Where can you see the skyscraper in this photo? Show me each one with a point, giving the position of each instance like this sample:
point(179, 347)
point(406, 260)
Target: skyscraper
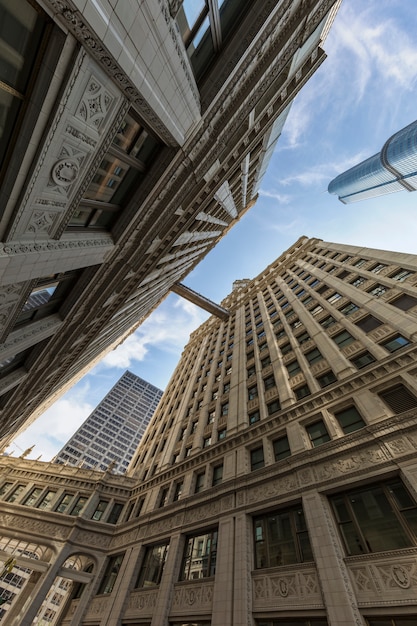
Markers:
point(112, 432)
point(393, 169)
point(133, 136)
point(277, 481)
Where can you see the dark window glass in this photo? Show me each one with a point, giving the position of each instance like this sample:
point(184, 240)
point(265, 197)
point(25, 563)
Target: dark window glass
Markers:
point(343, 339)
point(100, 508)
point(313, 356)
point(199, 482)
point(293, 368)
point(281, 448)
point(153, 566)
point(399, 399)
point(281, 538)
point(257, 458)
point(286, 348)
point(349, 308)
point(395, 343)
point(302, 392)
point(217, 475)
point(326, 379)
point(350, 419)
point(376, 518)
point(269, 382)
point(273, 407)
point(254, 417)
point(328, 321)
point(110, 575)
point(368, 323)
point(363, 359)
point(318, 433)
point(199, 556)
point(404, 302)
point(115, 513)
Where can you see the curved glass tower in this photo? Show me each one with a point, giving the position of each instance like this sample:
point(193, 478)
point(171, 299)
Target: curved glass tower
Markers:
point(392, 169)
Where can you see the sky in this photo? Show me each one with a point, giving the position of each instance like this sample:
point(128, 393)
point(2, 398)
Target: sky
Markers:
point(365, 91)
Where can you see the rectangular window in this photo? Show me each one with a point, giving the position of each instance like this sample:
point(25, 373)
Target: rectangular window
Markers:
point(273, 407)
point(254, 417)
point(343, 339)
point(401, 275)
point(368, 323)
point(15, 493)
point(281, 538)
point(376, 518)
point(327, 322)
point(376, 269)
point(399, 399)
point(257, 458)
point(199, 482)
point(110, 575)
point(286, 348)
point(5, 487)
point(153, 566)
point(221, 434)
point(281, 448)
point(33, 496)
point(265, 361)
point(269, 382)
point(317, 309)
point(206, 442)
point(363, 359)
point(225, 409)
point(350, 419)
point(404, 302)
point(358, 281)
point(395, 343)
point(293, 368)
point(178, 491)
point(334, 298)
point(79, 505)
point(377, 290)
point(199, 556)
point(252, 393)
point(326, 379)
point(303, 338)
point(217, 475)
point(163, 497)
point(359, 263)
point(100, 508)
point(313, 356)
point(349, 308)
point(302, 392)
point(318, 433)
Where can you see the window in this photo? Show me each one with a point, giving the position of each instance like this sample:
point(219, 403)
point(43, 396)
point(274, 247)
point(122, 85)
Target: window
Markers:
point(206, 442)
point(358, 281)
point(303, 338)
point(376, 518)
point(327, 321)
point(226, 387)
point(281, 448)
point(350, 419)
point(252, 393)
point(359, 263)
point(368, 323)
point(273, 407)
point(110, 575)
point(286, 348)
point(302, 392)
point(199, 556)
point(221, 434)
point(342, 274)
point(265, 361)
point(334, 298)
point(318, 433)
point(225, 409)
point(5, 487)
point(178, 491)
point(399, 399)
point(376, 269)
point(377, 290)
point(395, 343)
point(293, 368)
point(15, 493)
point(349, 308)
point(257, 458)
point(269, 382)
point(343, 339)
point(326, 379)
point(313, 356)
point(199, 482)
point(163, 497)
point(254, 417)
point(115, 513)
point(401, 275)
point(363, 359)
point(63, 505)
point(281, 538)
point(153, 566)
point(33, 496)
point(217, 475)
point(404, 302)
point(100, 508)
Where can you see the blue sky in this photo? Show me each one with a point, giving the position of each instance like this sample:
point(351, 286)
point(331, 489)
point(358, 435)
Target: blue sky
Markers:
point(364, 92)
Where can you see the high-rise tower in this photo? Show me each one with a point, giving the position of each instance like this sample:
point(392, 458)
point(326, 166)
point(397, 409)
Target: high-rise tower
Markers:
point(393, 169)
point(112, 432)
point(277, 481)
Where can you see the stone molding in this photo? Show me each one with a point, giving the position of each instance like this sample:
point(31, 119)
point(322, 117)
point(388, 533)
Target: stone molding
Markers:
point(287, 587)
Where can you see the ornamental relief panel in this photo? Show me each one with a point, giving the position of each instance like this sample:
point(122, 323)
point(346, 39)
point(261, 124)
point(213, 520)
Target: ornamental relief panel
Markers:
point(10, 297)
point(142, 601)
point(287, 589)
point(83, 117)
point(192, 598)
point(98, 606)
point(382, 581)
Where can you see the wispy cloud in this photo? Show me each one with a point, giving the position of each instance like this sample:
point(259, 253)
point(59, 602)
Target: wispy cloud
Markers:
point(168, 327)
point(322, 173)
point(282, 198)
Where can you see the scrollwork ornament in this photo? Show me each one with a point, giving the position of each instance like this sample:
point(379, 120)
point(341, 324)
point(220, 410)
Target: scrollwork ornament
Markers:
point(400, 576)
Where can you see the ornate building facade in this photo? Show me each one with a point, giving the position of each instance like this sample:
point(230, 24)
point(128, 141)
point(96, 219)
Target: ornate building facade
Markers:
point(112, 432)
point(133, 136)
point(277, 481)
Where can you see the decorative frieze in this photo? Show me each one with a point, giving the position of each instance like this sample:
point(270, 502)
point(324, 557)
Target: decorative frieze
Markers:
point(287, 588)
point(192, 598)
point(142, 602)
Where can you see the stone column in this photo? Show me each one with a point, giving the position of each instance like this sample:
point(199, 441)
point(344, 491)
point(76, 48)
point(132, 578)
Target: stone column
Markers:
point(242, 596)
point(336, 586)
point(222, 611)
point(169, 576)
point(122, 587)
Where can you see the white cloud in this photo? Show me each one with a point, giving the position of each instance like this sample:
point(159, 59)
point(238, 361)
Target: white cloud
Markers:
point(323, 172)
point(168, 327)
point(282, 198)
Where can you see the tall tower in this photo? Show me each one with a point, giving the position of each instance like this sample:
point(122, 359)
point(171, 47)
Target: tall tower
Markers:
point(276, 482)
point(393, 169)
point(112, 432)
